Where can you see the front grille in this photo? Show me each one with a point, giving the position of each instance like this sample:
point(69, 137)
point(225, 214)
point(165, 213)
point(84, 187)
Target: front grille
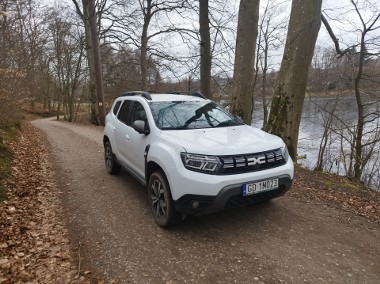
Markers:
point(251, 162)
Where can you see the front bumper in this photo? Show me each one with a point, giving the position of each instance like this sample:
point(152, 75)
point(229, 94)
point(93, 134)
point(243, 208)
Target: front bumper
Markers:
point(229, 197)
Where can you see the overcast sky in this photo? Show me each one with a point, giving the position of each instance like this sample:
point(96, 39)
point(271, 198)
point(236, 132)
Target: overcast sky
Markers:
point(345, 21)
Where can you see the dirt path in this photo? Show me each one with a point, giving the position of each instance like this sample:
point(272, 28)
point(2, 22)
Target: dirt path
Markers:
point(284, 241)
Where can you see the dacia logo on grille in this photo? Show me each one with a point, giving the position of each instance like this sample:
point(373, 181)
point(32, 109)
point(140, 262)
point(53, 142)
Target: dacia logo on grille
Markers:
point(256, 160)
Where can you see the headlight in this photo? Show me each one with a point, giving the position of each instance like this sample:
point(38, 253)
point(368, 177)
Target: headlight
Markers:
point(201, 163)
point(285, 153)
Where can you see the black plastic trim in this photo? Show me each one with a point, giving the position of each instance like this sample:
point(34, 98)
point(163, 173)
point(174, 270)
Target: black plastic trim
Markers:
point(138, 93)
point(149, 97)
point(137, 176)
point(146, 162)
point(229, 197)
point(193, 94)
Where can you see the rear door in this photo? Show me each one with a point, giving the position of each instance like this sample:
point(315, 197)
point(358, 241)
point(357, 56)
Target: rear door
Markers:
point(121, 131)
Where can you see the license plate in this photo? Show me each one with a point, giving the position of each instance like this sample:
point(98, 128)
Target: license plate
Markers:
point(265, 185)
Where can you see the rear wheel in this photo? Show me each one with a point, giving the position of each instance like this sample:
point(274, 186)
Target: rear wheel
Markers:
point(161, 201)
point(111, 164)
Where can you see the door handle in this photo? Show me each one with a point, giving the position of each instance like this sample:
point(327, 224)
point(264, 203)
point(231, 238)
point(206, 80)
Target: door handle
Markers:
point(127, 137)
point(113, 128)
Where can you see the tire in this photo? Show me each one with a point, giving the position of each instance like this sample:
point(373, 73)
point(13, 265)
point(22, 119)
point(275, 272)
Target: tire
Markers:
point(112, 166)
point(161, 202)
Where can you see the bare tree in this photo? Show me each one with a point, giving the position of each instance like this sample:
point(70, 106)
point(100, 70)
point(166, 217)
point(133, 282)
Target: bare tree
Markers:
point(285, 115)
point(121, 70)
point(242, 102)
point(89, 18)
point(22, 40)
point(329, 108)
point(97, 60)
point(66, 59)
point(361, 150)
point(205, 48)
point(221, 33)
point(150, 9)
point(156, 28)
point(271, 30)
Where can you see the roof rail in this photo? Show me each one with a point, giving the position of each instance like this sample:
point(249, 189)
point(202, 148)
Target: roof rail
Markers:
point(194, 94)
point(138, 93)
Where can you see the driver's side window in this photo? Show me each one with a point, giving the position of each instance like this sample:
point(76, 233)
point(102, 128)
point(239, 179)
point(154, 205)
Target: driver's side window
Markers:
point(138, 112)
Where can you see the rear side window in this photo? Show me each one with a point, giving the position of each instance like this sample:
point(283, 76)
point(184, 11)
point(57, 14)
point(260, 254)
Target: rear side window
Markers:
point(116, 107)
point(124, 112)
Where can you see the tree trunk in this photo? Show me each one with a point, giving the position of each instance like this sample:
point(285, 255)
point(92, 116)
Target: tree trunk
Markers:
point(205, 49)
point(94, 114)
point(143, 58)
point(358, 166)
point(144, 46)
point(285, 115)
point(265, 70)
point(242, 103)
point(97, 60)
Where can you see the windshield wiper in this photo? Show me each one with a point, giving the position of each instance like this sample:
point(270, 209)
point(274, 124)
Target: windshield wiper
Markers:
point(229, 123)
point(173, 128)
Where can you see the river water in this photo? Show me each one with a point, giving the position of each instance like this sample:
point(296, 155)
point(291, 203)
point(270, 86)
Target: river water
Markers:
point(315, 112)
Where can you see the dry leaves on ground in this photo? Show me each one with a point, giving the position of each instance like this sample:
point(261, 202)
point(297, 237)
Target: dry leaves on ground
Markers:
point(34, 246)
point(341, 191)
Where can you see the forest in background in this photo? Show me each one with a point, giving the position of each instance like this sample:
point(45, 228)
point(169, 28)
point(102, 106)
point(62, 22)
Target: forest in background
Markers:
point(159, 46)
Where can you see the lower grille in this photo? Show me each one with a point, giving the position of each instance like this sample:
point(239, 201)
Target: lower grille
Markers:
point(240, 200)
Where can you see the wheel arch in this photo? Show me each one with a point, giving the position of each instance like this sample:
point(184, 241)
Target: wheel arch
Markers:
point(152, 167)
point(164, 156)
point(105, 139)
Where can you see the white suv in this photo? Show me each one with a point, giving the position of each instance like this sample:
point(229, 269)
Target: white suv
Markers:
point(194, 157)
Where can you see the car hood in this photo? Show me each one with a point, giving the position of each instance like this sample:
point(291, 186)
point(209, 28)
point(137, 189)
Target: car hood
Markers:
point(223, 141)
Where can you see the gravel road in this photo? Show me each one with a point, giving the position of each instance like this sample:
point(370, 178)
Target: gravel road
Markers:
point(283, 241)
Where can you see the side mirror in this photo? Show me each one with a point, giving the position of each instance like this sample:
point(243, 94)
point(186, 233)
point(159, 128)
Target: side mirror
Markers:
point(141, 127)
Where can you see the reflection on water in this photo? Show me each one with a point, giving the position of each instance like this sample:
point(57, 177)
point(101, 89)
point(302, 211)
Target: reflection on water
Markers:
point(315, 112)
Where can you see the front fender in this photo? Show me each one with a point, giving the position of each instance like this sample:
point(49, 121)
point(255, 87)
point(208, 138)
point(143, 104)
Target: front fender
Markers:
point(168, 157)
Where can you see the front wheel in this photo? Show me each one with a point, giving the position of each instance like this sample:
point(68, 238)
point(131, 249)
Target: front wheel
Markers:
point(111, 164)
point(161, 201)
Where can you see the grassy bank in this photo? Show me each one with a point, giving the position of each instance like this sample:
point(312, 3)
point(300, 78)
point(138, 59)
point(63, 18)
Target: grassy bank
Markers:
point(8, 134)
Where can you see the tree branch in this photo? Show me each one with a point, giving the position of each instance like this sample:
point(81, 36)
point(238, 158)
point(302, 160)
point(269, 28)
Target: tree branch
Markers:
point(334, 38)
point(78, 9)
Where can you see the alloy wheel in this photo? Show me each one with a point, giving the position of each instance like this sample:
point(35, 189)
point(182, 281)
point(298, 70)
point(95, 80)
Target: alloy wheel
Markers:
point(158, 200)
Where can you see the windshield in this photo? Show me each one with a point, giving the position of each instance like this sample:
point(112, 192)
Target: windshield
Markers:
point(190, 115)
